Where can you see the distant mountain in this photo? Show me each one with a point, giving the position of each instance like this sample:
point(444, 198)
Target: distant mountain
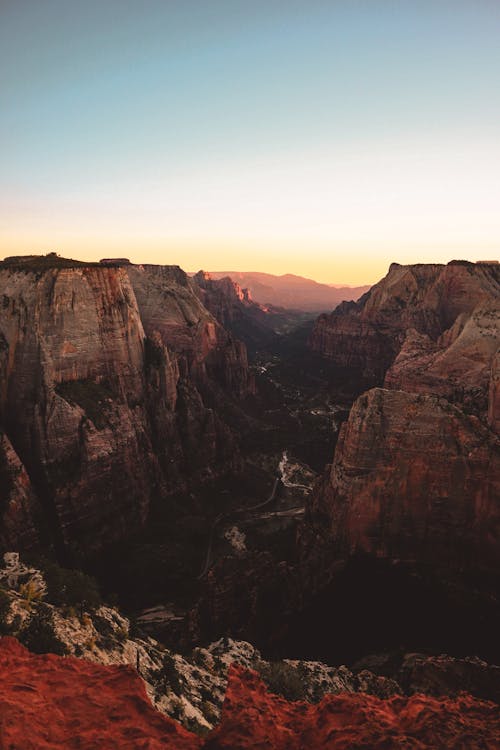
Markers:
point(292, 292)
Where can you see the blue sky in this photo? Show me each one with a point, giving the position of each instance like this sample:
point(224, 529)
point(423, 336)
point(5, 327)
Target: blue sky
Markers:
point(321, 138)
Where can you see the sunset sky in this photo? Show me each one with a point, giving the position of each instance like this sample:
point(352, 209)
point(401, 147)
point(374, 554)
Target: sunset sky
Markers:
point(325, 139)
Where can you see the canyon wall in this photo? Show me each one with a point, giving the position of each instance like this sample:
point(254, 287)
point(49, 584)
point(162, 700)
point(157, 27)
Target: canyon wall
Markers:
point(103, 376)
point(424, 310)
point(416, 471)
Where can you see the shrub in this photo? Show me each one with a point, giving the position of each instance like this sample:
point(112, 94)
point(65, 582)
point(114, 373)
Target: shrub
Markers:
point(38, 634)
point(168, 677)
point(4, 611)
point(71, 588)
point(281, 678)
point(30, 592)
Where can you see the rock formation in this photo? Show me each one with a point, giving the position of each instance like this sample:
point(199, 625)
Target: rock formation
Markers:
point(256, 324)
point(416, 472)
point(96, 706)
point(50, 702)
point(252, 717)
point(444, 320)
point(414, 478)
point(106, 380)
point(292, 292)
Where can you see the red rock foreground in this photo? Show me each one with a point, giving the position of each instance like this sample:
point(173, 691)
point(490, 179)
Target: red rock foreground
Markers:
point(54, 702)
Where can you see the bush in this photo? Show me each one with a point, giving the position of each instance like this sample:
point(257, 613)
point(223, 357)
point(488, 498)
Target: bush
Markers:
point(38, 634)
point(4, 611)
point(71, 588)
point(168, 677)
point(281, 678)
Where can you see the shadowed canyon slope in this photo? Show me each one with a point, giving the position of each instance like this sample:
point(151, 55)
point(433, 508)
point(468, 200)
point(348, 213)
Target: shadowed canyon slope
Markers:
point(108, 379)
point(414, 478)
point(416, 472)
point(94, 706)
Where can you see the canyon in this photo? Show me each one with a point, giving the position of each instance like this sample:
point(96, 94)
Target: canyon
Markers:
point(327, 489)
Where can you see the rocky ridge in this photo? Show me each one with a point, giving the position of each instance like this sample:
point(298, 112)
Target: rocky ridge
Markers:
point(442, 321)
point(191, 688)
point(416, 471)
point(92, 705)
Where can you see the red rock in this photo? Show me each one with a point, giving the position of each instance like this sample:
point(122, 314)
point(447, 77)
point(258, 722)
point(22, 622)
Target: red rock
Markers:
point(254, 718)
point(437, 302)
point(414, 478)
point(108, 378)
point(53, 702)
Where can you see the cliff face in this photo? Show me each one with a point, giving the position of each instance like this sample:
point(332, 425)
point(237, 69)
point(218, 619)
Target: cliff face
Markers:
point(235, 309)
point(90, 706)
point(19, 505)
point(447, 306)
point(416, 471)
point(414, 479)
point(102, 371)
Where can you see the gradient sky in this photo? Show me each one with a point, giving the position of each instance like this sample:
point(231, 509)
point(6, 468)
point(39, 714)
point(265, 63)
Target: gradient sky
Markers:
point(320, 138)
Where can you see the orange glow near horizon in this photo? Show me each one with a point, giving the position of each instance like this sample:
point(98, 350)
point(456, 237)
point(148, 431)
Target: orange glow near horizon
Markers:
point(333, 216)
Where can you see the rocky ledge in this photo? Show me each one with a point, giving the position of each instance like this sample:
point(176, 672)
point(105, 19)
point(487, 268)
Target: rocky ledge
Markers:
point(95, 706)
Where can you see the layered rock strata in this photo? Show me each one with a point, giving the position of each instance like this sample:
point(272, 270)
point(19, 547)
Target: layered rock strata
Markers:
point(103, 375)
point(414, 478)
point(442, 321)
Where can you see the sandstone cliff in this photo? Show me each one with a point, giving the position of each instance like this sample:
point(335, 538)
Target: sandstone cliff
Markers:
point(444, 320)
point(103, 374)
point(415, 479)
point(416, 471)
point(255, 324)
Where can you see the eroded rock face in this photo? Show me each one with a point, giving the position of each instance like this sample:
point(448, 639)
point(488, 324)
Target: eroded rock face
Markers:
point(460, 365)
point(416, 471)
point(105, 378)
point(452, 310)
point(252, 718)
point(19, 506)
point(50, 701)
point(235, 309)
point(414, 478)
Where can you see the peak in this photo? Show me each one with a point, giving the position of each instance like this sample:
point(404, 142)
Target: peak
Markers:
point(202, 276)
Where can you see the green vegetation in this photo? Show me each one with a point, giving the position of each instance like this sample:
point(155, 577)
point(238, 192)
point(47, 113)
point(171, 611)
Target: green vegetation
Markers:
point(283, 679)
point(71, 588)
point(4, 611)
point(92, 397)
point(30, 592)
point(168, 677)
point(38, 634)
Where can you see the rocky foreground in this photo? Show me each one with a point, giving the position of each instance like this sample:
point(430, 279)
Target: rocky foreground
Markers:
point(93, 706)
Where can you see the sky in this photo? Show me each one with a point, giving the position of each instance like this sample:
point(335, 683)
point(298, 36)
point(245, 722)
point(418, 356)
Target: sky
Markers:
point(325, 139)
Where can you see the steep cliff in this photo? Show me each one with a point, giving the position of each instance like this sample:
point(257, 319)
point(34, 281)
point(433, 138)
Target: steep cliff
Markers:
point(256, 324)
point(103, 372)
point(415, 479)
point(450, 306)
